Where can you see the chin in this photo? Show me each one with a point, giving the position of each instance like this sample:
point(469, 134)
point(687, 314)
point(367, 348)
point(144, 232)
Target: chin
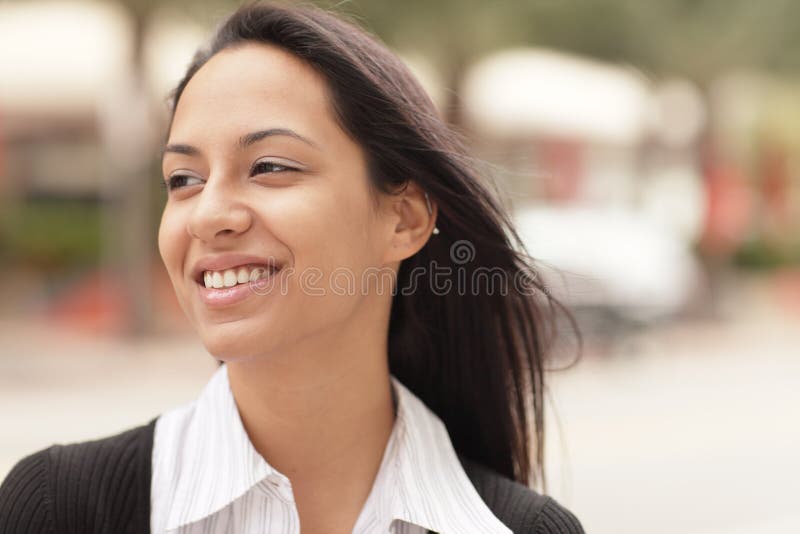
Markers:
point(230, 342)
point(229, 352)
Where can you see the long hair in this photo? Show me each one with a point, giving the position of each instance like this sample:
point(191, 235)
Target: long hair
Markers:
point(475, 356)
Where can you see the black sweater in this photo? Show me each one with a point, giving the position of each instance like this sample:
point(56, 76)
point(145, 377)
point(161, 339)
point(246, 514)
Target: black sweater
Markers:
point(103, 486)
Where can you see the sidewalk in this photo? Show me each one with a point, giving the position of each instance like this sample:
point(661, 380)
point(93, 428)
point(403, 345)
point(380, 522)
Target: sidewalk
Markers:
point(56, 387)
point(691, 428)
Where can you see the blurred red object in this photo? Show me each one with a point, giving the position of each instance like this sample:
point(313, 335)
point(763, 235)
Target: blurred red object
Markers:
point(97, 303)
point(729, 212)
point(100, 303)
point(786, 287)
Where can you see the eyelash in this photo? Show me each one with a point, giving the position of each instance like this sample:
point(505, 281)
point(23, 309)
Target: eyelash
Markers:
point(169, 183)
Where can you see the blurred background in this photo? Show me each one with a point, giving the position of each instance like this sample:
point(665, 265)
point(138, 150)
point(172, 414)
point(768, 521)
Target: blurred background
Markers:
point(649, 151)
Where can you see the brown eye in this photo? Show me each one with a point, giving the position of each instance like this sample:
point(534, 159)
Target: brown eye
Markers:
point(267, 167)
point(177, 181)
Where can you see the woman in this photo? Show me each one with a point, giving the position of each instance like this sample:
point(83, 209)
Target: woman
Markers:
point(380, 333)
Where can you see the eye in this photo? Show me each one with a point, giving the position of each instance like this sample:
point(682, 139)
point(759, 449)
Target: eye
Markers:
point(176, 181)
point(267, 167)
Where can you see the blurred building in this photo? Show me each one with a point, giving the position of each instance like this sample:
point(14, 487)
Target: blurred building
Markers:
point(80, 122)
point(602, 166)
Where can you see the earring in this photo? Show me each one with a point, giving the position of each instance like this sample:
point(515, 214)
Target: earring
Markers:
point(430, 212)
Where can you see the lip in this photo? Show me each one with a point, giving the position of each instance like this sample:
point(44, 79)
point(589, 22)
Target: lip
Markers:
point(225, 296)
point(221, 262)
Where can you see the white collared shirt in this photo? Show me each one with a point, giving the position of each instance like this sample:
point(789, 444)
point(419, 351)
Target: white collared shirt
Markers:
point(209, 479)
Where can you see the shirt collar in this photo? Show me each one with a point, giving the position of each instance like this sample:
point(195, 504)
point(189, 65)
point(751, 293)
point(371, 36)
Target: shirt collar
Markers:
point(420, 481)
point(424, 482)
point(215, 443)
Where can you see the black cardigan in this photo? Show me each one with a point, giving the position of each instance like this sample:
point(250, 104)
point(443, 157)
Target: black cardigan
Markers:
point(103, 486)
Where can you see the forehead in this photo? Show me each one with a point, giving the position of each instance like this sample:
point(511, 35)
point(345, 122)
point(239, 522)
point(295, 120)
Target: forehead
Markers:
point(250, 87)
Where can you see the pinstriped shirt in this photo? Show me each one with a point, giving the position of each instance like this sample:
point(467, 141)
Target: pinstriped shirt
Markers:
point(208, 477)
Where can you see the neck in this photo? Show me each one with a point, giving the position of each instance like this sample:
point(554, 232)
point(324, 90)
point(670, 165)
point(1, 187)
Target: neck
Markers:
point(306, 412)
point(321, 411)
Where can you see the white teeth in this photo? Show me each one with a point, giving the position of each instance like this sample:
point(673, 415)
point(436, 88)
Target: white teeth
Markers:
point(255, 274)
point(232, 277)
point(216, 280)
point(243, 275)
point(229, 278)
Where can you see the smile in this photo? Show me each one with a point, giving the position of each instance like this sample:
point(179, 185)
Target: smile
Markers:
point(238, 275)
point(222, 289)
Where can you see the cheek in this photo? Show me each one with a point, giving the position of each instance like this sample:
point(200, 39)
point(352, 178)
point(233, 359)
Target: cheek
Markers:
point(354, 225)
point(330, 229)
point(171, 241)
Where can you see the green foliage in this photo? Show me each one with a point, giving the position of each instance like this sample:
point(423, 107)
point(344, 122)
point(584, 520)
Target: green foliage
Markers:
point(763, 255)
point(49, 234)
point(696, 38)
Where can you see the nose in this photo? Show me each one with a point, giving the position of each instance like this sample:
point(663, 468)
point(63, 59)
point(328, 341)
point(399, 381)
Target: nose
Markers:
point(218, 213)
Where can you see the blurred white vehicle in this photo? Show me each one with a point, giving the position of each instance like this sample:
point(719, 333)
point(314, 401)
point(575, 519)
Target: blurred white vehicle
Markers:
point(610, 259)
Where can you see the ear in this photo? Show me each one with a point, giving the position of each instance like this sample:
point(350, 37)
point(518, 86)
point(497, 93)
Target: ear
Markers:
point(413, 223)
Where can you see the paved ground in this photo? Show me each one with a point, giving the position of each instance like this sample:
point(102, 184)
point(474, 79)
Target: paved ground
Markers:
point(691, 428)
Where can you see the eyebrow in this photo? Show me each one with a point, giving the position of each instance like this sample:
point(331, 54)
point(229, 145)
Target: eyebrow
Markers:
point(244, 141)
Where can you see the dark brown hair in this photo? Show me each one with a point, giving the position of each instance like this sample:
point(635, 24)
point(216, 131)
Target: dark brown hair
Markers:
point(476, 358)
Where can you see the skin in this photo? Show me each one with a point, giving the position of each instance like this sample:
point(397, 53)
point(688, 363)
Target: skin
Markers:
point(309, 372)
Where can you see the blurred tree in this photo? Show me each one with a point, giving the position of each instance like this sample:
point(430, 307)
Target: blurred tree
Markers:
point(128, 213)
point(695, 38)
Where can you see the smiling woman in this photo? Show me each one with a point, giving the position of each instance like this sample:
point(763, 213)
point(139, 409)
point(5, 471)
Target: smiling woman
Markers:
point(362, 387)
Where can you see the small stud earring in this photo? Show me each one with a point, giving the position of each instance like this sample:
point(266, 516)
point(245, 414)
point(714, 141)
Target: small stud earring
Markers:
point(430, 212)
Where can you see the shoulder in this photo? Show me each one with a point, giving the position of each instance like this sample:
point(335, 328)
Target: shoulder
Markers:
point(520, 508)
point(97, 486)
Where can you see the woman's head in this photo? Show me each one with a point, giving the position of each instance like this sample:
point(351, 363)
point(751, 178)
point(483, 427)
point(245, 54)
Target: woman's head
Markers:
point(258, 165)
point(372, 143)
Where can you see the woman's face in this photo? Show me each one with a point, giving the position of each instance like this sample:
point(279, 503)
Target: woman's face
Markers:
point(259, 173)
